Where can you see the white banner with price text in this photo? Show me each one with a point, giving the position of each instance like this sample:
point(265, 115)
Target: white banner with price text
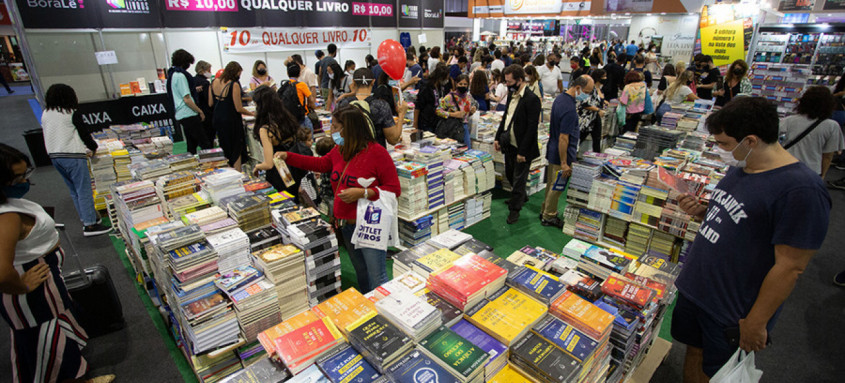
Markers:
point(250, 40)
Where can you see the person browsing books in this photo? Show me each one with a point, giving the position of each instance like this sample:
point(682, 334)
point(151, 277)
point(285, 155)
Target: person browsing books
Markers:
point(35, 300)
point(751, 246)
point(356, 156)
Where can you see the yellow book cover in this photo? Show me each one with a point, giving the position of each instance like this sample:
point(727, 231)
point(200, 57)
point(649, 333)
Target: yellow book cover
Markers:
point(125, 90)
point(509, 374)
point(278, 252)
point(345, 308)
point(519, 306)
point(438, 260)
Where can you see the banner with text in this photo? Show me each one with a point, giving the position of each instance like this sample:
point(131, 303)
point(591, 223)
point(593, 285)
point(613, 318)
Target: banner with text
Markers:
point(724, 42)
point(249, 40)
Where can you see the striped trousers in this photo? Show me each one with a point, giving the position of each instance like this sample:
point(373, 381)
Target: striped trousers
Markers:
point(47, 341)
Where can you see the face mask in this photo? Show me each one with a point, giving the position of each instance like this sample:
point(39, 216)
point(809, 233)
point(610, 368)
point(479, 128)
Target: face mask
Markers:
point(513, 88)
point(337, 138)
point(331, 76)
point(393, 83)
point(738, 71)
point(462, 89)
point(728, 156)
point(207, 75)
point(582, 97)
point(262, 72)
point(573, 66)
point(16, 190)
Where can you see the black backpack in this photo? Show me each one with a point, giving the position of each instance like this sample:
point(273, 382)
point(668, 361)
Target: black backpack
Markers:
point(290, 99)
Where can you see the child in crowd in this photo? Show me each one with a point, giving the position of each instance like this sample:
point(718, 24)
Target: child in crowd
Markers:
point(324, 146)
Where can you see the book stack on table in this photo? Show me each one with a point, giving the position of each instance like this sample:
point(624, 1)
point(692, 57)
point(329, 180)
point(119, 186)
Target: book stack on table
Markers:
point(250, 211)
point(222, 183)
point(544, 361)
point(284, 266)
point(433, 262)
point(379, 340)
point(345, 364)
point(456, 354)
point(410, 313)
point(137, 202)
point(182, 162)
point(497, 352)
point(211, 158)
point(403, 262)
point(257, 307)
point(232, 248)
point(507, 315)
point(468, 281)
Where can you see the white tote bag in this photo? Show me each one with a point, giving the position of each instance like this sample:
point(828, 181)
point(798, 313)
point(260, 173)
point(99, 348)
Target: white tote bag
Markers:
point(376, 226)
point(739, 369)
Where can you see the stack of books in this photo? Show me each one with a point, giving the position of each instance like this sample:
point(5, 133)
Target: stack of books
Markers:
point(497, 351)
point(450, 239)
point(601, 194)
point(136, 202)
point(601, 262)
point(177, 184)
point(345, 309)
point(467, 281)
point(614, 232)
point(582, 314)
point(455, 354)
point(417, 231)
point(213, 367)
point(589, 225)
point(232, 248)
point(182, 162)
point(449, 314)
point(432, 158)
point(222, 183)
point(179, 206)
point(507, 315)
point(251, 212)
point(433, 262)
point(257, 307)
point(263, 238)
point(268, 337)
point(284, 266)
point(413, 200)
point(300, 348)
point(205, 216)
point(544, 361)
point(149, 169)
point(211, 158)
point(537, 284)
point(403, 262)
point(410, 313)
point(587, 351)
point(345, 364)
point(581, 284)
point(379, 341)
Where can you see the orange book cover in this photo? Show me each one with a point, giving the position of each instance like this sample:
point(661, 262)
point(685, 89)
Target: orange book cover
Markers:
point(345, 308)
point(306, 342)
point(268, 336)
point(136, 87)
point(591, 319)
point(125, 90)
point(627, 291)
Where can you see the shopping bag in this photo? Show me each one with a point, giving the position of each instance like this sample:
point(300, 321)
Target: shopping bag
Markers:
point(374, 222)
point(739, 369)
point(649, 104)
point(560, 182)
point(621, 110)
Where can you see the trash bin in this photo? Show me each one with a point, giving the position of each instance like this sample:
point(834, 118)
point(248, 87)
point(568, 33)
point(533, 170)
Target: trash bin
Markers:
point(35, 142)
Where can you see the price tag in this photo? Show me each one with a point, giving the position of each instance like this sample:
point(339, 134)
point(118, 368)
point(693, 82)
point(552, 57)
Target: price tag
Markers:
point(106, 57)
point(422, 38)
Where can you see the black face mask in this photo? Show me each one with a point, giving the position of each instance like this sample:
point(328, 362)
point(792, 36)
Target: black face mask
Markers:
point(513, 88)
point(261, 72)
point(462, 89)
point(738, 71)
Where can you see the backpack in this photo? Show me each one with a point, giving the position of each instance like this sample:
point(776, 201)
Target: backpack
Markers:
point(364, 106)
point(290, 99)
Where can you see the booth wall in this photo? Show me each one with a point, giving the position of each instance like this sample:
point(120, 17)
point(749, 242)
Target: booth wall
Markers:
point(68, 56)
point(678, 33)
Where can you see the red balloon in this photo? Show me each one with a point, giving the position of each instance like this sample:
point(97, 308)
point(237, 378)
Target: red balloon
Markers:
point(391, 58)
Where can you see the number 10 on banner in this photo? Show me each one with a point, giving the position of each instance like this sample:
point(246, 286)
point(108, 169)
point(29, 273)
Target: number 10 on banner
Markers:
point(283, 39)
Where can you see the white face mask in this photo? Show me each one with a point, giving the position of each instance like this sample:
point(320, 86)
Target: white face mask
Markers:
point(728, 156)
point(207, 74)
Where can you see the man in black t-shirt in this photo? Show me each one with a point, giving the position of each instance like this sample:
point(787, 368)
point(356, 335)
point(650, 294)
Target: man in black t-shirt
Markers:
point(710, 76)
point(615, 78)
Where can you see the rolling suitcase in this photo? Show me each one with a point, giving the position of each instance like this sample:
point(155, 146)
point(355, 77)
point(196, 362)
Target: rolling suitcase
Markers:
point(98, 306)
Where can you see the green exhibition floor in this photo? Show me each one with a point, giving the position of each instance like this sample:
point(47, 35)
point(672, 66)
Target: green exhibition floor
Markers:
point(504, 238)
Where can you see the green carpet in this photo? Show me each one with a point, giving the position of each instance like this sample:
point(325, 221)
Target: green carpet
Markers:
point(493, 231)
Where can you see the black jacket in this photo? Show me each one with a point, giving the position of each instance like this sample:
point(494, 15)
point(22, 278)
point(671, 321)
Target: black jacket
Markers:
point(525, 121)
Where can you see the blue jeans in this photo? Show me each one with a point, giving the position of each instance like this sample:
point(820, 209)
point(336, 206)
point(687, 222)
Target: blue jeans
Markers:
point(307, 124)
point(370, 264)
point(75, 173)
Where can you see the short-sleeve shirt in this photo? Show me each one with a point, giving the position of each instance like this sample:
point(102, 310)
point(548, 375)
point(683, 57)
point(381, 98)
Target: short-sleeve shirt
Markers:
point(455, 71)
point(709, 77)
point(180, 90)
point(680, 95)
point(498, 64)
point(549, 78)
point(303, 91)
point(379, 112)
point(564, 120)
point(308, 77)
point(631, 50)
point(825, 138)
point(324, 74)
point(735, 245)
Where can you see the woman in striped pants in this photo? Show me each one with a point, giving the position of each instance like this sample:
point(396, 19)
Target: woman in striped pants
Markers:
point(46, 339)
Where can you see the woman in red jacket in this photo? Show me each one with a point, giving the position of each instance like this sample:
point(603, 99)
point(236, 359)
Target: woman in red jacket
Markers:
point(356, 156)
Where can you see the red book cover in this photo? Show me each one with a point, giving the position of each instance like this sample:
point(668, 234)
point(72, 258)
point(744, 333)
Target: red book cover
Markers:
point(470, 274)
point(659, 288)
point(307, 341)
point(627, 291)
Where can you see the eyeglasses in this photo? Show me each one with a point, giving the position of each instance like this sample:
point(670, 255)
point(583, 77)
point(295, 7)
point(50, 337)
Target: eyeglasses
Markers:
point(23, 177)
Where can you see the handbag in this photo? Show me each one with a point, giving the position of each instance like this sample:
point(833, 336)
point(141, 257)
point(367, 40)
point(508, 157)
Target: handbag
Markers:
point(739, 369)
point(649, 104)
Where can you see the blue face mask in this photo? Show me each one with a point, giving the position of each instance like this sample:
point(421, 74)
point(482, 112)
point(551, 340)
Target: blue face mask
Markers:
point(16, 190)
point(393, 82)
point(337, 138)
point(582, 97)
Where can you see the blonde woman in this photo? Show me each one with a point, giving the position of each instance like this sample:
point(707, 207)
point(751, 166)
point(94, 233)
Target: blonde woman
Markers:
point(679, 91)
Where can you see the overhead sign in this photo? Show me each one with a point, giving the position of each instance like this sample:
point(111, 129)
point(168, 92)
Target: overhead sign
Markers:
point(518, 7)
point(432, 13)
point(100, 115)
point(724, 42)
point(796, 5)
point(207, 13)
point(251, 40)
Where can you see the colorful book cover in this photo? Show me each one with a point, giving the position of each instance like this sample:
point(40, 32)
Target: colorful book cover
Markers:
point(470, 274)
point(627, 291)
point(659, 288)
point(347, 365)
point(544, 356)
point(508, 375)
point(307, 342)
point(310, 375)
point(485, 342)
point(267, 337)
point(205, 305)
point(448, 312)
point(417, 367)
point(595, 321)
point(437, 260)
point(345, 308)
point(567, 337)
point(455, 351)
point(607, 258)
point(541, 285)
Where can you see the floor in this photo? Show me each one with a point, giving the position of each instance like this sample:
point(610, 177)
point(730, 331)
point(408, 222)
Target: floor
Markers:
point(806, 341)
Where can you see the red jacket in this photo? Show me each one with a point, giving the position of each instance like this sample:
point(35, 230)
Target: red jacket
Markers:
point(372, 162)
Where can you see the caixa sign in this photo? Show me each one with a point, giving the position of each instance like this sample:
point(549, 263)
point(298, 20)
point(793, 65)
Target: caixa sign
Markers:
point(100, 115)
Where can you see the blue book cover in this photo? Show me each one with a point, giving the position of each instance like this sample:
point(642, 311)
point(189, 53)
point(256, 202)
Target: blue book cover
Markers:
point(310, 375)
point(480, 339)
point(538, 285)
point(416, 367)
point(347, 365)
point(568, 338)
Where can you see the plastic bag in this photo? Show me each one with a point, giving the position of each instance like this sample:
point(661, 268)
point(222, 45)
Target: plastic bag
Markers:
point(621, 111)
point(376, 226)
point(739, 369)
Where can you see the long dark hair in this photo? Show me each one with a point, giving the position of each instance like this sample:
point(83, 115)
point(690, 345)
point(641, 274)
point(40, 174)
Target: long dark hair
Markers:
point(383, 91)
point(8, 157)
point(355, 130)
point(61, 98)
point(231, 71)
point(271, 113)
point(478, 86)
point(339, 74)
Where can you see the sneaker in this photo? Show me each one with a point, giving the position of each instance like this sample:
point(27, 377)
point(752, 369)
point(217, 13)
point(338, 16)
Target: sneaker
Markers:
point(513, 217)
point(840, 166)
point(839, 279)
point(554, 221)
point(840, 184)
point(95, 230)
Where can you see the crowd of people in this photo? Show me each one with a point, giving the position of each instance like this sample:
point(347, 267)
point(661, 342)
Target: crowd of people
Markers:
point(788, 157)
